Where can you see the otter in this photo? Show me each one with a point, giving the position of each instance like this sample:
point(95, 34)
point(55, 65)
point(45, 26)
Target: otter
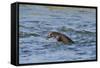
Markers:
point(60, 37)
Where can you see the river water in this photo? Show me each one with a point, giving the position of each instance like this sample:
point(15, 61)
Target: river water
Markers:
point(36, 21)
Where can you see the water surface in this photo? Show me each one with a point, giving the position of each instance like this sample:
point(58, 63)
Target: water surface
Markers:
point(36, 21)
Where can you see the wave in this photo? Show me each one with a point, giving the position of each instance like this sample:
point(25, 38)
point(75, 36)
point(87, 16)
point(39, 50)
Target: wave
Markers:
point(26, 34)
point(83, 12)
point(64, 29)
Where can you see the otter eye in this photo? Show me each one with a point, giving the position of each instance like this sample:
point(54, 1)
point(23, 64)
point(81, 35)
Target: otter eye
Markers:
point(51, 35)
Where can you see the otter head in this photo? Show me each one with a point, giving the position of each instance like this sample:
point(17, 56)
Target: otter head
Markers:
point(52, 35)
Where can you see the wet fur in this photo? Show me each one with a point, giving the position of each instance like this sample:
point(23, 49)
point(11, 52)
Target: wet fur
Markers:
point(60, 37)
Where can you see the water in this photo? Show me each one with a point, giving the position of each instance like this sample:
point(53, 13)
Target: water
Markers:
point(36, 21)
